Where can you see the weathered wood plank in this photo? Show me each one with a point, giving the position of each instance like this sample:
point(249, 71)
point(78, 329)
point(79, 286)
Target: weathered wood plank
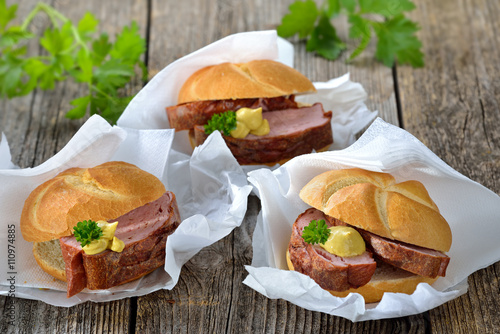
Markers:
point(176, 31)
point(452, 106)
point(443, 105)
point(36, 128)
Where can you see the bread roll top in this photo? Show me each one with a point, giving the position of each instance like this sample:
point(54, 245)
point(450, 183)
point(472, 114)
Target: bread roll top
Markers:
point(374, 202)
point(257, 78)
point(103, 192)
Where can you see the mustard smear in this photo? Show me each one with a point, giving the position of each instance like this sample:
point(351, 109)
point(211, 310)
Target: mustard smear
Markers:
point(250, 121)
point(106, 241)
point(344, 241)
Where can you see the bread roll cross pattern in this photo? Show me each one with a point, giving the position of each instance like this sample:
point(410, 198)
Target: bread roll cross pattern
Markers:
point(140, 212)
point(374, 202)
point(400, 224)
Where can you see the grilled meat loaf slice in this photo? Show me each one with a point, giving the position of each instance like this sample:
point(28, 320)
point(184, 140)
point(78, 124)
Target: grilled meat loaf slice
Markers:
point(186, 116)
point(331, 272)
point(144, 231)
point(293, 132)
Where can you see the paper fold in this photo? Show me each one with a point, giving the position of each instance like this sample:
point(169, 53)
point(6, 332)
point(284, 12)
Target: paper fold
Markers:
point(383, 148)
point(211, 200)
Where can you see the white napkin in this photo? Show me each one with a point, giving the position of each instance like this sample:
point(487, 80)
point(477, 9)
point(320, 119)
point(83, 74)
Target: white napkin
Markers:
point(210, 187)
point(343, 97)
point(472, 211)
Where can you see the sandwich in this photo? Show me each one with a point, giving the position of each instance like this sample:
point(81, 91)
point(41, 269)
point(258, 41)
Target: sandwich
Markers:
point(253, 105)
point(365, 233)
point(99, 227)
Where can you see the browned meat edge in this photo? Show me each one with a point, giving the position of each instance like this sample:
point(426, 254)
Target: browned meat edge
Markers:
point(186, 116)
point(270, 149)
point(144, 231)
point(418, 260)
point(329, 271)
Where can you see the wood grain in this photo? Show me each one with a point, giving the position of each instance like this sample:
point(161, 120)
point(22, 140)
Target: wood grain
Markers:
point(452, 106)
point(37, 129)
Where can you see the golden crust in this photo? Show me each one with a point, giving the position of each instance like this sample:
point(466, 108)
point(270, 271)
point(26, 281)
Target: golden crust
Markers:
point(375, 202)
point(258, 78)
point(385, 279)
point(103, 192)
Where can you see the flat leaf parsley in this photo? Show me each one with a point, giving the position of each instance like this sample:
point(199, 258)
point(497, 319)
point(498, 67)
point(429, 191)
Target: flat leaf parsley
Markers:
point(396, 39)
point(71, 50)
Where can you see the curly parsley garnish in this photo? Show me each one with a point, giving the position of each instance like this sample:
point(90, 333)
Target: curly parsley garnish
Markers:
point(86, 231)
point(224, 122)
point(316, 232)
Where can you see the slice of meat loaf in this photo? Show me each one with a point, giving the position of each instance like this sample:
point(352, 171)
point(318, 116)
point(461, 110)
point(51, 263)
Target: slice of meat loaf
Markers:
point(331, 272)
point(292, 132)
point(144, 231)
point(417, 260)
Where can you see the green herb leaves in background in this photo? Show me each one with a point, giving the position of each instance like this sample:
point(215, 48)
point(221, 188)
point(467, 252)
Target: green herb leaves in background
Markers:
point(70, 50)
point(383, 19)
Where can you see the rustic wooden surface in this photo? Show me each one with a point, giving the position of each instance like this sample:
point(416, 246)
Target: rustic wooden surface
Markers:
point(451, 105)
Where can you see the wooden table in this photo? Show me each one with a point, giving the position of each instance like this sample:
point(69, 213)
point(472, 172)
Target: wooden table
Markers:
point(451, 105)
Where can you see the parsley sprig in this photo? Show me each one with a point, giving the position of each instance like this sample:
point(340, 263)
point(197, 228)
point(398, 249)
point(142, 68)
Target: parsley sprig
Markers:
point(86, 231)
point(70, 50)
point(224, 122)
point(395, 33)
point(317, 232)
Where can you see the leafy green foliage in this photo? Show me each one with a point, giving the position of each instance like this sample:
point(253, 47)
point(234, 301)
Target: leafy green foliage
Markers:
point(86, 231)
point(324, 40)
point(72, 50)
point(396, 35)
point(224, 122)
point(317, 232)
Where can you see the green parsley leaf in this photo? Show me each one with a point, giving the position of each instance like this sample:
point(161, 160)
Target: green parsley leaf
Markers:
point(383, 19)
point(100, 49)
point(360, 28)
point(324, 40)
point(224, 122)
point(349, 5)
point(87, 25)
point(386, 8)
point(7, 14)
point(72, 51)
point(333, 8)
point(129, 45)
point(396, 39)
point(80, 107)
point(317, 232)
point(113, 74)
point(13, 35)
point(86, 231)
point(300, 20)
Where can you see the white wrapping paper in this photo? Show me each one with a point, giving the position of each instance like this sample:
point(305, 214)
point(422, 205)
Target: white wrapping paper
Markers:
point(340, 95)
point(472, 211)
point(210, 187)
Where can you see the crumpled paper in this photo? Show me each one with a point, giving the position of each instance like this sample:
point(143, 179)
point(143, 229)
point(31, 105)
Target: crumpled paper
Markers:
point(340, 95)
point(210, 187)
point(382, 148)
point(212, 197)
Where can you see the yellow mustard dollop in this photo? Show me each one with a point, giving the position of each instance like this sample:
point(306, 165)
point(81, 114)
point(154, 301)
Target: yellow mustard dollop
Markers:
point(250, 121)
point(106, 241)
point(344, 241)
